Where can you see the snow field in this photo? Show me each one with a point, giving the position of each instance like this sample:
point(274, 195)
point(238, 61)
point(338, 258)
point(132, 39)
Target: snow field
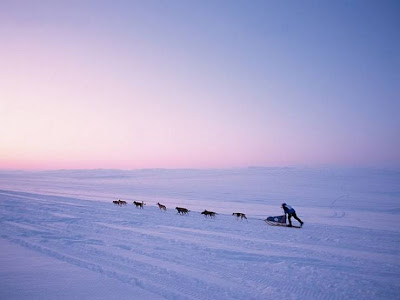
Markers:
point(55, 244)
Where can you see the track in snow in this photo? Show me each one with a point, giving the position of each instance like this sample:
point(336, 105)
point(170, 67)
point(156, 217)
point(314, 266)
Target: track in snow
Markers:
point(191, 257)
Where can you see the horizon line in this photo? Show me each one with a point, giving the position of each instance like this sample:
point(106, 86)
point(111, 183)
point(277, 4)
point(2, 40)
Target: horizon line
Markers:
point(391, 168)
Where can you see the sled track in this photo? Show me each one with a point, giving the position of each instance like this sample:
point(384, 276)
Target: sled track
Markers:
point(107, 264)
point(165, 254)
point(136, 276)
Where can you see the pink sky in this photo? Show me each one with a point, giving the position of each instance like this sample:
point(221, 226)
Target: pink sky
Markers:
point(147, 87)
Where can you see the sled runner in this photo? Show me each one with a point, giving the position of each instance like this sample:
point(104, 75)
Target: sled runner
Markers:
point(278, 221)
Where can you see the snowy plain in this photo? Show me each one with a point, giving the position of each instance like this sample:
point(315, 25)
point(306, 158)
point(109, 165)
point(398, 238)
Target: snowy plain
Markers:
point(62, 238)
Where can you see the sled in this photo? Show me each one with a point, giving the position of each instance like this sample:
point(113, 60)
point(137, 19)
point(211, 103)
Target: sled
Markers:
point(279, 221)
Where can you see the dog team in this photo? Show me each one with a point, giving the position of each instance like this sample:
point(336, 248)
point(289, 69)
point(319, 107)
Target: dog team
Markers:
point(180, 210)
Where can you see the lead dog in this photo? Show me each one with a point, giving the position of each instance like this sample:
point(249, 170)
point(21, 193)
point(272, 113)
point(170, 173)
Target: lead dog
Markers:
point(119, 202)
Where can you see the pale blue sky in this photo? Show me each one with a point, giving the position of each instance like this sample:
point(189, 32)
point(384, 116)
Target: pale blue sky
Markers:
point(130, 84)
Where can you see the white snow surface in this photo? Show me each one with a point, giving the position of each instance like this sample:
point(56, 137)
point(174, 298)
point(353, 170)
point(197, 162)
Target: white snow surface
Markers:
point(62, 238)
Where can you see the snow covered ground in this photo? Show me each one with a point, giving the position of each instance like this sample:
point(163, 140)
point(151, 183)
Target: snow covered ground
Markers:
point(62, 238)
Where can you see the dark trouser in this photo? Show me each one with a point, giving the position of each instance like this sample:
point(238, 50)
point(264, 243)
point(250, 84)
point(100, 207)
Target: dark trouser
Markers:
point(294, 216)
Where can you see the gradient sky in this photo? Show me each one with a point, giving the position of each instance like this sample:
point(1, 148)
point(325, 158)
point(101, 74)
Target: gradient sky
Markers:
point(199, 84)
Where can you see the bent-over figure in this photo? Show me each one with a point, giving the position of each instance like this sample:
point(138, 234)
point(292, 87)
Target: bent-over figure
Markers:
point(291, 213)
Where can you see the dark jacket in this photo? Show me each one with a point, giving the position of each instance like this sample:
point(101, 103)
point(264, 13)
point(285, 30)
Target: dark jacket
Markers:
point(288, 209)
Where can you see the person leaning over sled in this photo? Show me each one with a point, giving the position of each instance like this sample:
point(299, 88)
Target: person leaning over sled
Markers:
point(291, 213)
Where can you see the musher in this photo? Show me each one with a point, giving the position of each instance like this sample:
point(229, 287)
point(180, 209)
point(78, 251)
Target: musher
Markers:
point(291, 213)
